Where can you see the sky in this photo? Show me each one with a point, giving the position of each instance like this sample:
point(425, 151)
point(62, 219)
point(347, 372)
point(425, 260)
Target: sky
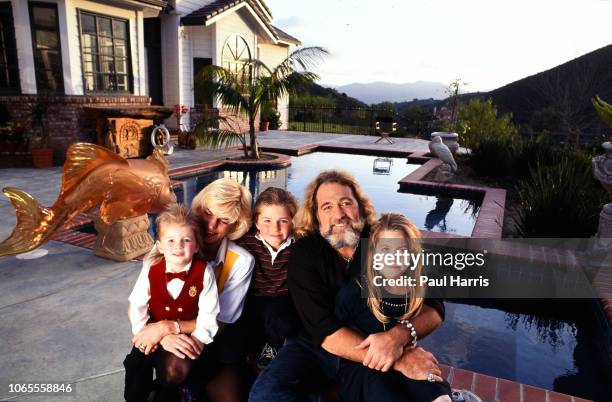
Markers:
point(487, 43)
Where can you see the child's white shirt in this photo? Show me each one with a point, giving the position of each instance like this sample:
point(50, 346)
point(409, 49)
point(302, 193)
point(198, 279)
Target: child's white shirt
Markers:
point(208, 302)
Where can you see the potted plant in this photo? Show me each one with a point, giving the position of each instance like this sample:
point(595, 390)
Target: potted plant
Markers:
point(185, 138)
point(42, 157)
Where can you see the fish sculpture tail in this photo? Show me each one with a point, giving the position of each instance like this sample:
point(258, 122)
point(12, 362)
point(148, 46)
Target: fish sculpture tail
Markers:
point(35, 223)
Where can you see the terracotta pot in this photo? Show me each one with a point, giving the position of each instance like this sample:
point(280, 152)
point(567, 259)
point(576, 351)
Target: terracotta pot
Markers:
point(42, 157)
point(263, 126)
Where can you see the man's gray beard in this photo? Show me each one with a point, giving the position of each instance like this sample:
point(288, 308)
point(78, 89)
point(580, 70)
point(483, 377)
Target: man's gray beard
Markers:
point(348, 238)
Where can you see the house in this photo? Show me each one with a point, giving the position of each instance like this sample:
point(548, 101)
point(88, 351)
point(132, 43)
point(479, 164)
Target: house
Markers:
point(225, 33)
point(74, 53)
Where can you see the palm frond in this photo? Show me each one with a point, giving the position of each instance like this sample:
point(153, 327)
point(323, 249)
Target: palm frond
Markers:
point(216, 139)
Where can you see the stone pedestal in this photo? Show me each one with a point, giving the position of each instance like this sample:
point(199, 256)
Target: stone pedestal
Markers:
point(602, 168)
point(449, 139)
point(605, 223)
point(124, 240)
point(127, 130)
point(127, 137)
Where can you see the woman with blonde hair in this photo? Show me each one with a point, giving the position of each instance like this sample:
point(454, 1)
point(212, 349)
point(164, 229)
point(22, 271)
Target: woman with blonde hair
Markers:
point(385, 297)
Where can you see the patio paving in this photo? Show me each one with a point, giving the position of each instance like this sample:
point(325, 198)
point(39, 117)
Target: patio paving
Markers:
point(64, 316)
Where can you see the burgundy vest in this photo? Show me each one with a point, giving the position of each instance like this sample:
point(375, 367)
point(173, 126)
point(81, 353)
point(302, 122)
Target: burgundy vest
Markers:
point(185, 307)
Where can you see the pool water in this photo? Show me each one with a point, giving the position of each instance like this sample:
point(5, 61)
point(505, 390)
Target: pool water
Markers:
point(549, 344)
point(436, 213)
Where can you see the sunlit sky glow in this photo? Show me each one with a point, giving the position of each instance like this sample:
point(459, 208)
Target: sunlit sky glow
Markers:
point(487, 43)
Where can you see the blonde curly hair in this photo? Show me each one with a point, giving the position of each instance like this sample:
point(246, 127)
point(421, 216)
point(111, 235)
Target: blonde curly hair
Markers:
point(306, 221)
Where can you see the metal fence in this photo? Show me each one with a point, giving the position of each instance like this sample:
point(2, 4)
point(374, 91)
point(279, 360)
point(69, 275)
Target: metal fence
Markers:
point(323, 119)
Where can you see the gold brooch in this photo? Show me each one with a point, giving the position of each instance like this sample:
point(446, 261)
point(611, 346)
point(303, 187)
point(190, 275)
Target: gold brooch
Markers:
point(193, 291)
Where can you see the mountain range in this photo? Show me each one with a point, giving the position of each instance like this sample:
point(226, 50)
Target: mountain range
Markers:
point(376, 92)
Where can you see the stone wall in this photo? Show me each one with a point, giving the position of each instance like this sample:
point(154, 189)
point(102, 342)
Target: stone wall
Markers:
point(65, 120)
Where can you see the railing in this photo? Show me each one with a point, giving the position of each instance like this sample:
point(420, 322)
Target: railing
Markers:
point(323, 119)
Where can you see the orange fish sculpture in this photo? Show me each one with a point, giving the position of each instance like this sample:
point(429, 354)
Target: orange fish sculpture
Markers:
point(93, 176)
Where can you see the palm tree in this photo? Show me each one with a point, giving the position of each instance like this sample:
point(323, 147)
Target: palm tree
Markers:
point(253, 87)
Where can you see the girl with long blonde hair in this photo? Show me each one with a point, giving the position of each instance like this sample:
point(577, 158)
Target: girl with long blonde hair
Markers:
point(389, 294)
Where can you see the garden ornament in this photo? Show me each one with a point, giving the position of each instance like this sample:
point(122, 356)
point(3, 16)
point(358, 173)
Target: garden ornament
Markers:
point(160, 133)
point(93, 177)
point(602, 170)
point(440, 150)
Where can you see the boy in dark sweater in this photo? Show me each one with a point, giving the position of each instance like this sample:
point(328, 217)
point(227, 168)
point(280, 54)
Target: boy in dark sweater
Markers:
point(269, 314)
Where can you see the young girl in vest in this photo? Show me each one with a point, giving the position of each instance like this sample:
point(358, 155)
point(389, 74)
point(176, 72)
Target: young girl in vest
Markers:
point(177, 293)
point(269, 314)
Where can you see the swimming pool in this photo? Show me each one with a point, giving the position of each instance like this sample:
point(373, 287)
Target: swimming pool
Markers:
point(377, 176)
point(529, 344)
point(551, 344)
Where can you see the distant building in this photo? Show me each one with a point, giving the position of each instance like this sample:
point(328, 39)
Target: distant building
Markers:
point(83, 52)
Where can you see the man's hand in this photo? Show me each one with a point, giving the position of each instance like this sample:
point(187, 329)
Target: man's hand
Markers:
point(383, 350)
point(182, 346)
point(417, 364)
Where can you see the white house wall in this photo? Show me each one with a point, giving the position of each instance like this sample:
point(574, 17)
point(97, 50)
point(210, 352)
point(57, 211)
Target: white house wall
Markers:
point(235, 24)
point(201, 41)
point(185, 44)
point(23, 38)
point(272, 56)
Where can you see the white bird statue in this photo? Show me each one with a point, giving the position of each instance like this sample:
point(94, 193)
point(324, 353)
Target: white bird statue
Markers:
point(439, 149)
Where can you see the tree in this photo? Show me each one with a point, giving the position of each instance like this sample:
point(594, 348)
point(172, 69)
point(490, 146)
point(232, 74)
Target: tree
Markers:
point(568, 90)
point(416, 120)
point(453, 91)
point(245, 92)
point(478, 119)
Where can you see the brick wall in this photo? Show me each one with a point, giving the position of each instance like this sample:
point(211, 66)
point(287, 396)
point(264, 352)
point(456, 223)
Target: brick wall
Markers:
point(65, 120)
point(240, 122)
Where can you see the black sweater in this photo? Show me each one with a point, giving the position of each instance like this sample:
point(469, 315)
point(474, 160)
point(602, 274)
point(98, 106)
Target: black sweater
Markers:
point(316, 274)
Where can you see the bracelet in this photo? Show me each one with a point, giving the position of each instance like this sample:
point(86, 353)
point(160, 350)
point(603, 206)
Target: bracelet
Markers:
point(177, 327)
point(412, 331)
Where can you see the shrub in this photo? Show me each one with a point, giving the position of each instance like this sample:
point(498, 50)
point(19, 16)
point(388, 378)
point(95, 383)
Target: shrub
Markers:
point(478, 120)
point(493, 156)
point(560, 199)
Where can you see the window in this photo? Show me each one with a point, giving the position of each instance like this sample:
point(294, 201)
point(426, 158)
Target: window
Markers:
point(9, 70)
point(105, 53)
point(46, 44)
point(237, 55)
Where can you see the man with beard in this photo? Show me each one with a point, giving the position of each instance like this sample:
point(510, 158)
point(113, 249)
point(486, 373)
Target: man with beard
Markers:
point(334, 216)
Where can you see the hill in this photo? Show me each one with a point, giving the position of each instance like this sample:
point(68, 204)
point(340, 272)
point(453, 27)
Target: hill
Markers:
point(315, 94)
point(376, 92)
point(562, 93)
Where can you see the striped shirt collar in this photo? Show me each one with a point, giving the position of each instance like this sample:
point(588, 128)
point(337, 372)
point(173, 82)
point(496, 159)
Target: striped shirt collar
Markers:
point(275, 253)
